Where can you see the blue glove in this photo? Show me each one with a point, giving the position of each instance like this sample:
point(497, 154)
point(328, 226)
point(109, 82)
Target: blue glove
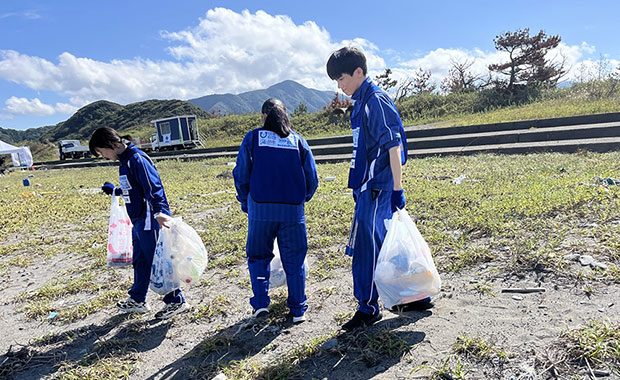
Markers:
point(244, 207)
point(109, 188)
point(398, 199)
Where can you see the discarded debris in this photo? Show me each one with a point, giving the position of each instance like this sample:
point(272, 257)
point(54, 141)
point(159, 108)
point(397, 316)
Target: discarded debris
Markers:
point(586, 260)
point(610, 181)
point(458, 180)
point(91, 190)
point(598, 264)
point(523, 290)
point(517, 298)
point(329, 179)
point(601, 372)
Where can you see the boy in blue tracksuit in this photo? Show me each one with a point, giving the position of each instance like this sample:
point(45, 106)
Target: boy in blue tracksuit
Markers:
point(274, 176)
point(379, 151)
point(148, 209)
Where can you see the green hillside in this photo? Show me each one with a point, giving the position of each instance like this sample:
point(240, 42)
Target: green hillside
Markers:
point(103, 113)
point(134, 117)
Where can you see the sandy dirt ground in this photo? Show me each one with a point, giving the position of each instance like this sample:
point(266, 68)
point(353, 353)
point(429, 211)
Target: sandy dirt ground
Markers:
point(525, 326)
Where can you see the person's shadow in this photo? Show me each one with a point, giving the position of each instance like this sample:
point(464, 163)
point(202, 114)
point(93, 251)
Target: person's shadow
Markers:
point(234, 343)
point(82, 344)
point(375, 346)
point(363, 353)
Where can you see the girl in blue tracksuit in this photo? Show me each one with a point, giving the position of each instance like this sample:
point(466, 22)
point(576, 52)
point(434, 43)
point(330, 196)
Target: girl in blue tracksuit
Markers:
point(148, 209)
point(274, 176)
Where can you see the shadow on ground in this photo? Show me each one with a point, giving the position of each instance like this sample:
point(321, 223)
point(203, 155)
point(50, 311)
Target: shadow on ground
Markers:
point(357, 355)
point(85, 344)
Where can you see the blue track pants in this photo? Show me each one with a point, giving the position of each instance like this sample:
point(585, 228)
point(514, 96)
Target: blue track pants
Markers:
point(293, 244)
point(372, 209)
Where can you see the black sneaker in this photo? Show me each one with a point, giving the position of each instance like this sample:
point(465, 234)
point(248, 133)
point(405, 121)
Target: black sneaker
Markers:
point(297, 320)
point(421, 305)
point(172, 309)
point(361, 319)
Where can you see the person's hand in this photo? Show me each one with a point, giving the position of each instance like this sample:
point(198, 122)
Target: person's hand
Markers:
point(244, 207)
point(108, 188)
point(163, 220)
point(398, 200)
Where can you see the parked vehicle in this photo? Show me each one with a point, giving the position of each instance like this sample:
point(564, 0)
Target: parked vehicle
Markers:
point(72, 149)
point(146, 146)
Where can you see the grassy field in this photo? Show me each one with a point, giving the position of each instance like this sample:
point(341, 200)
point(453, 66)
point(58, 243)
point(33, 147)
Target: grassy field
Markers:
point(514, 214)
point(504, 199)
point(540, 110)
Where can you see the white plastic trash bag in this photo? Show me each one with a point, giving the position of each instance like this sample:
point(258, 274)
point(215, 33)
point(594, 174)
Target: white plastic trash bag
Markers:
point(180, 257)
point(405, 270)
point(277, 276)
point(120, 247)
point(187, 251)
point(164, 278)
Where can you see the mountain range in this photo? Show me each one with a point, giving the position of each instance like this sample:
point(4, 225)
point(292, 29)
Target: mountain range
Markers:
point(289, 92)
point(101, 113)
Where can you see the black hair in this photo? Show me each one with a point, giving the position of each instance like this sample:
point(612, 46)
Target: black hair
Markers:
point(104, 137)
point(277, 120)
point(346, 61)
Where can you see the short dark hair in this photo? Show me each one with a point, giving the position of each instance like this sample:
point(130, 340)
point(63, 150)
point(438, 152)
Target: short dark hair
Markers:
point(104, 137)
point(345, 61)
point(277, 119)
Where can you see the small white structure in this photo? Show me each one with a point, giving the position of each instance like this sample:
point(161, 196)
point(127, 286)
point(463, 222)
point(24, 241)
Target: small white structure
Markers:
point(176, 132)
point(21, 156)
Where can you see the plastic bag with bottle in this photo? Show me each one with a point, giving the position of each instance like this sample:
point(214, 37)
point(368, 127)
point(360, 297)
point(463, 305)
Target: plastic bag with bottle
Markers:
point(180, 257)
point(120, 242)
point(405, 270)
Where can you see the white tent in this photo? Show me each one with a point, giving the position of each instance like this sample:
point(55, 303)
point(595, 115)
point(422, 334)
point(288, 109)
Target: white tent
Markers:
point(21, 156)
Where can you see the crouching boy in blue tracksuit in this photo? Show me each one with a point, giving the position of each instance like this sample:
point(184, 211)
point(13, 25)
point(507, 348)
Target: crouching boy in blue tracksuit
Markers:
point(379, 151)
point(274, 176)
point(147, 206)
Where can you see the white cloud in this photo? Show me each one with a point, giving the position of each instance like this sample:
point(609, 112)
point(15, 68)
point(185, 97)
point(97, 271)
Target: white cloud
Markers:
point(241, 51)
point(225, 52)
point(65, 109)
point(589, 69)
point(34, 107)
point(23, 106)
point(589, 49)
point(439, 61)
point(28, 15)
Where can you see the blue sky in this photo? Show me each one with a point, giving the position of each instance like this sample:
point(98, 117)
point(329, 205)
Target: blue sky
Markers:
point(57, 56)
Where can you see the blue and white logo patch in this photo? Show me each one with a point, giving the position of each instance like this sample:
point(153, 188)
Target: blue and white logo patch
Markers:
point(272, 140)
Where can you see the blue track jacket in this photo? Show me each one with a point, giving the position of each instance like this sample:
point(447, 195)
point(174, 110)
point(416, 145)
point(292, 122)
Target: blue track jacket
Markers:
point(143, 191)
point(275, 176)
point(376, 128)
